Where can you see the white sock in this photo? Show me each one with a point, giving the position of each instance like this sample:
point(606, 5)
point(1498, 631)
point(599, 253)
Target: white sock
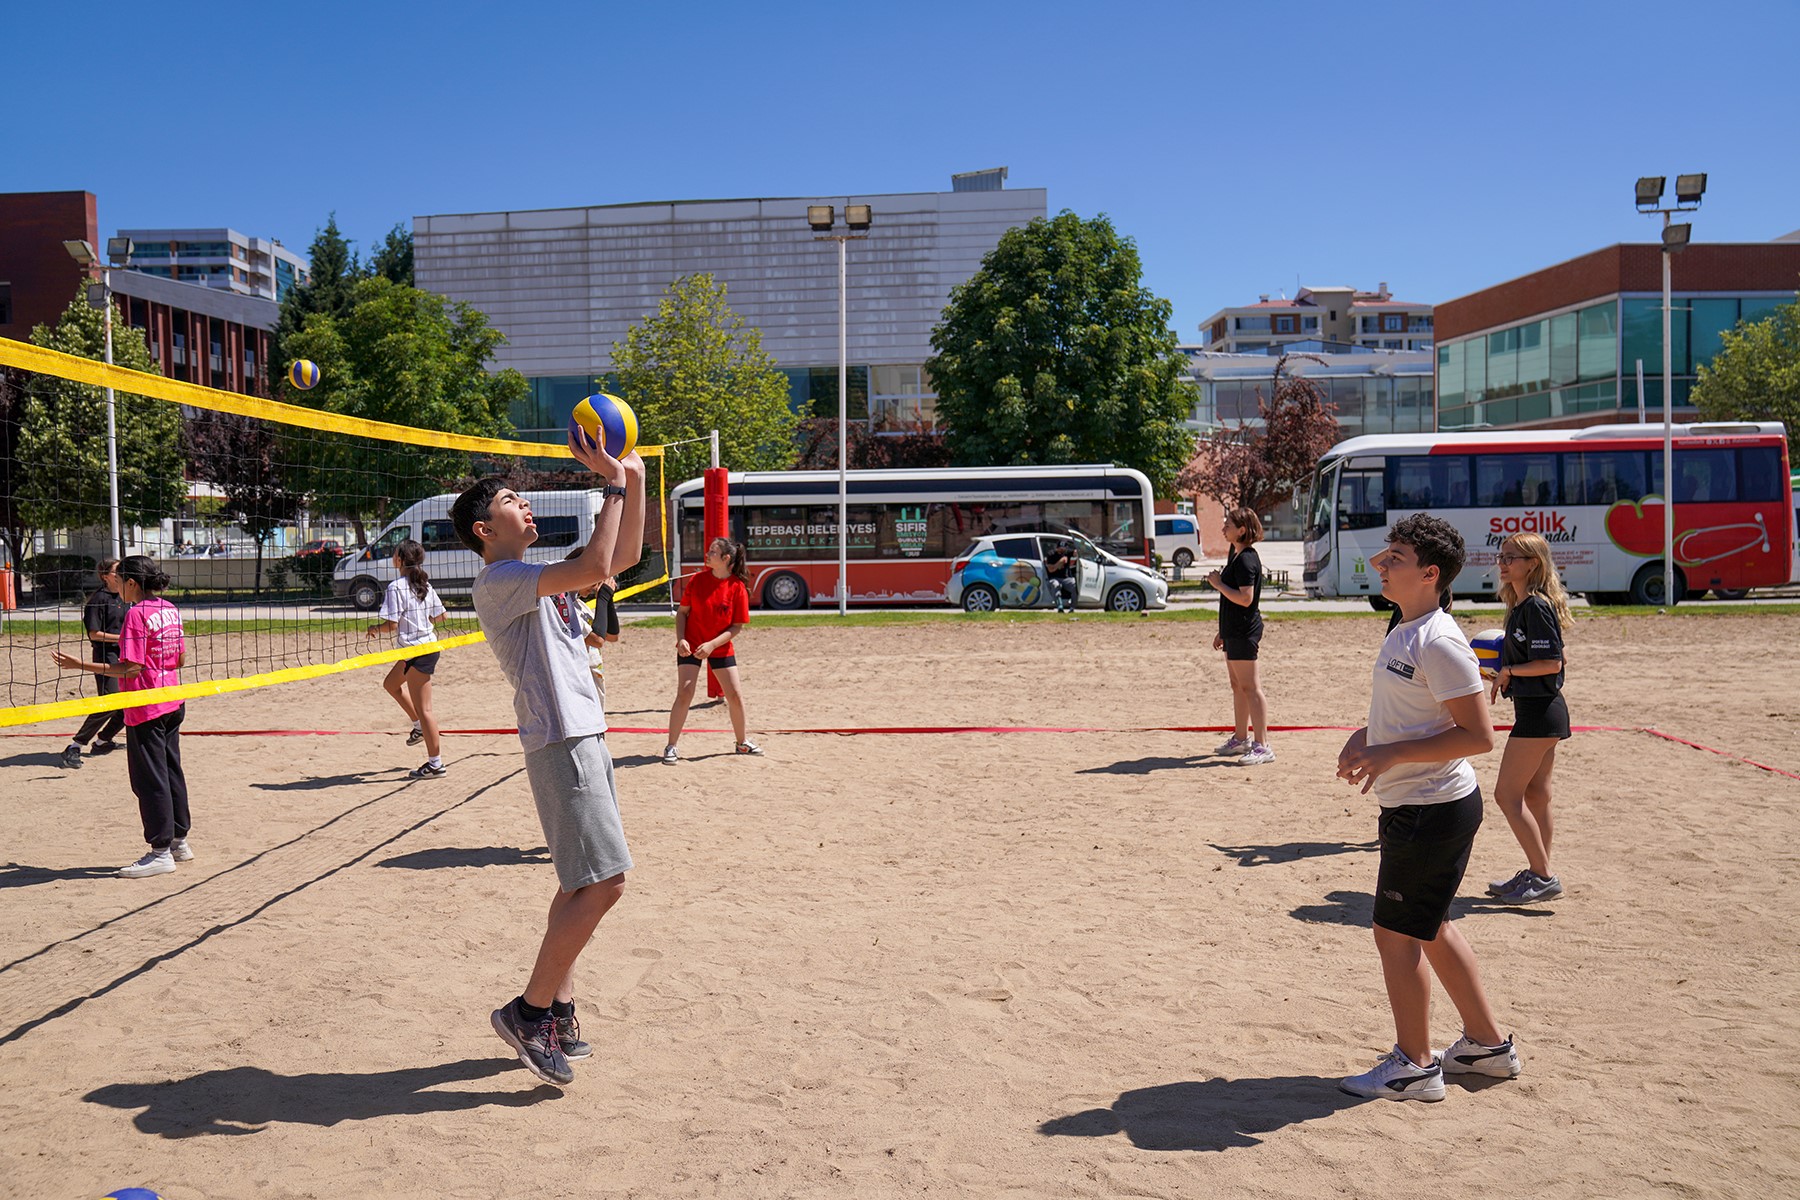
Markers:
point(435, 760)
point(418, 726)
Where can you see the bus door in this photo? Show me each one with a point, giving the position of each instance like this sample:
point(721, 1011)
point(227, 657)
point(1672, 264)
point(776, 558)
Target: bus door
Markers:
point(1361, 526)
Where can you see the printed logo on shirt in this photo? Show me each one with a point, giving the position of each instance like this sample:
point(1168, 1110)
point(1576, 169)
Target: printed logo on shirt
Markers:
point(1403, 669)
point(1518, 635)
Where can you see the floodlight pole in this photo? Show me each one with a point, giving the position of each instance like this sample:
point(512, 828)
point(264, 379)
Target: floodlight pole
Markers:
point(843, 241)
point(112, 421)
point(1686, 200)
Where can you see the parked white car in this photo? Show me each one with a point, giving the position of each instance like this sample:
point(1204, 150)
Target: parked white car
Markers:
point(1177, 538)
point(1007, 571)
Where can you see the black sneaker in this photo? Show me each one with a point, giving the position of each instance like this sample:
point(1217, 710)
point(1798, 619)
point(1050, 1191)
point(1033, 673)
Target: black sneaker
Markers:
point(568, 1036)
point(535, 1044)
point(105, 747)
point(71, 756)
point(415, 737)
point(427, 771)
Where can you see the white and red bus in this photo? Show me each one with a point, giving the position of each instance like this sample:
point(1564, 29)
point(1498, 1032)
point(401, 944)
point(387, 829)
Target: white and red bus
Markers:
point(906, 526)
point(1596, 494)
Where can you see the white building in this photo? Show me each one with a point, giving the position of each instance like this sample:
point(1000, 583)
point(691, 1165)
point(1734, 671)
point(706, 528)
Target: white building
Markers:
point(219, 258)
point(1337, 318)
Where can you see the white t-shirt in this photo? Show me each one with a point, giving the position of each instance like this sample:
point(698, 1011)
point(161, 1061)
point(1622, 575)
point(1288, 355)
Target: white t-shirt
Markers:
point(411, 616)
point(1423, 663)
point(537, 640)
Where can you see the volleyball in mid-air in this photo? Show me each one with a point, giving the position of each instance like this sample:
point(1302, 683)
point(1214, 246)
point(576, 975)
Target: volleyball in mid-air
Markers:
point(1488, 644)
point(607, 420)
point(304, 374)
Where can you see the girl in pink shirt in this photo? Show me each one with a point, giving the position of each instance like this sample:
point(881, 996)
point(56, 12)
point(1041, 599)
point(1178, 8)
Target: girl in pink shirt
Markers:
point(152, 648)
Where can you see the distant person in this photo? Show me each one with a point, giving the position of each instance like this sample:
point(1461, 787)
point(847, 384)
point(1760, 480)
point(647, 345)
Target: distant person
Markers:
point(411, 609)
point(1060, 568)
point(103, 616)
point(602, 625)
point(1240, 636)
point(715, 608)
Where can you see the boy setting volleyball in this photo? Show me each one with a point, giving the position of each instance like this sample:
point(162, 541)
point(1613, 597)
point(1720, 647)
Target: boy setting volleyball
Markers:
point(1531, 676)
point(529, 614)
point(411, 609)
point(1428, 712)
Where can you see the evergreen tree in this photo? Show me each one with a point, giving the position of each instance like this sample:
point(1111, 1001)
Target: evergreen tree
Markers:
point(393, 260)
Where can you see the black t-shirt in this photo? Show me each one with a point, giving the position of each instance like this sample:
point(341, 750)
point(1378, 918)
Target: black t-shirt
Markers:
point(1061, 564)
point(1532, 633)
point(1242, 570)
point(104, 612)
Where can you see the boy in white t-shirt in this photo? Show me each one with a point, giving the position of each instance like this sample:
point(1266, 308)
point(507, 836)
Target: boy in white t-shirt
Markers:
point(1427, 713)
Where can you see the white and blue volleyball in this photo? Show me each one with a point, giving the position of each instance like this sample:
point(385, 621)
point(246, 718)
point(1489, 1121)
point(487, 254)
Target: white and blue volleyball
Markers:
point(1487, 645)
point(608, 421)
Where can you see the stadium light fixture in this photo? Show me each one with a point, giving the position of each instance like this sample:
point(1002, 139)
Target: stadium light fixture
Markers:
point(81, 252)
point(118, 250)
point(1675, 237)
point(1650, 190)
point(821, 217)
point(858, 216)
point(1689, 188)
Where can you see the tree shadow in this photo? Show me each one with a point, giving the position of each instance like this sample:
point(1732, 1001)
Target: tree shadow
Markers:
point(15, 875)
point(244, 1100)
point(473, 856)
point(1258, 856)
point(1358, 908)
point(313, 783)
point(1143, 766)
point(1217, 1114)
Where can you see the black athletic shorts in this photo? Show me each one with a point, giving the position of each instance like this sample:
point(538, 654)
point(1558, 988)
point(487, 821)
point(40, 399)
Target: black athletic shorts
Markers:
point(1424, 852)
point(718, 662)
point(1540, 717)
point(1240, 649)
point(424, 664)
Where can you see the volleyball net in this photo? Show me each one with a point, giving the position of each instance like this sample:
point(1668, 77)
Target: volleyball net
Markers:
point(276, 523)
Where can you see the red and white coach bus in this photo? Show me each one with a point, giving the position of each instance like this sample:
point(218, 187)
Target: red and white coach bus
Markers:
point(1596, 494)
point(906, 526)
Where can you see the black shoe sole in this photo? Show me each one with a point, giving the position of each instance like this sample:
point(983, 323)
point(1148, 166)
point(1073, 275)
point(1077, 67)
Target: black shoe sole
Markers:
point(503, 1026)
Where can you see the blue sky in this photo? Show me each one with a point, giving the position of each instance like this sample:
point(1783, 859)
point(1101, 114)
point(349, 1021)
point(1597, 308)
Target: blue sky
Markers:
point(1439, 147)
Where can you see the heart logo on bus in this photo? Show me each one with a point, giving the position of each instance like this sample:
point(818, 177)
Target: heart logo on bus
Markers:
point(1636, 528)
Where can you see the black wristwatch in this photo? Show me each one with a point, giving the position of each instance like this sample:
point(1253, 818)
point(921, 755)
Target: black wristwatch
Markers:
point(612, 490)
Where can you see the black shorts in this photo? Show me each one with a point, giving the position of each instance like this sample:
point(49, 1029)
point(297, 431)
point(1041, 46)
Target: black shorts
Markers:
point(424, 664)
point(1424, 852)
point(718, 662)
point(1541, 717)
point(1241, 649)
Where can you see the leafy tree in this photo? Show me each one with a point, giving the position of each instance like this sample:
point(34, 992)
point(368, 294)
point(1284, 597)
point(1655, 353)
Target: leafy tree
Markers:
point(1755, 376)
point(243, 458)
point(694, 366)
point(63, 481)
point(334, 271)
point(907, 446)
point(393, 259)
point(1055, 352)
point(14, 529)
point(406, 356)
point(1260, 468)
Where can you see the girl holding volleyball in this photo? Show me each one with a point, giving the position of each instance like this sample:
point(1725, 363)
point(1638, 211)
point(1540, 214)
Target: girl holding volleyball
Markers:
point(714, 609)
point(1531, 676)
point(411, 609)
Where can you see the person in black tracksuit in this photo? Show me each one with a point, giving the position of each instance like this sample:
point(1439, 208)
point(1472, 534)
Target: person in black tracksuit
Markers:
point(103, 615)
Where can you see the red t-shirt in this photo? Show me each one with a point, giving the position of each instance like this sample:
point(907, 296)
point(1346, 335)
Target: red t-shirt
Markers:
point(714, 605)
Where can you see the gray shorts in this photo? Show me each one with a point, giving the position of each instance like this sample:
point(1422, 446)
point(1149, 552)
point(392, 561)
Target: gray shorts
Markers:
point(572, 783)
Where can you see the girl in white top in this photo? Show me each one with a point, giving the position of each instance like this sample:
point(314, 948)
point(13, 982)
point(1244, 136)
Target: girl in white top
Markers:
point(411, 609)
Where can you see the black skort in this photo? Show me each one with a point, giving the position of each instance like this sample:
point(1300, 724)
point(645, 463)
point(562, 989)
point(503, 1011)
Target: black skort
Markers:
point(718, 662)
point(1540, 717)
point(1241, 649)
point(1424, 852)
point(424, 664)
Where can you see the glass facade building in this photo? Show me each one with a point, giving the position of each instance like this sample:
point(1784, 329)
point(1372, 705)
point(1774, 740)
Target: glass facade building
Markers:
point(1373, 392)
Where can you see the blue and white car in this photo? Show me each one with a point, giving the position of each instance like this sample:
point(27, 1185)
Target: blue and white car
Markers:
point(1006, 570)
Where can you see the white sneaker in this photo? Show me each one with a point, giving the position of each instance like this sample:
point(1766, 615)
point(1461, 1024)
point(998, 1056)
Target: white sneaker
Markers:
point(1470, 1057)
point(1233, 745)
point(1397, 1077)
point(1256, 755)
point(670, 756)
point(157, 862)
point(180, 851)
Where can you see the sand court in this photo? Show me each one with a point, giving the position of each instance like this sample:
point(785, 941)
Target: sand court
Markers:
point(1021, 964)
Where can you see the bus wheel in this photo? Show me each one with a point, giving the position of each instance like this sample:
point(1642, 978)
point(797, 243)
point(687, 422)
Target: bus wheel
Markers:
point(784, 589)
point(1127, 597)
point(1184, 558)
point(365, 593)
point(1381, 604)
point(1647, 587)
point(979, 597)
point(1731, 593)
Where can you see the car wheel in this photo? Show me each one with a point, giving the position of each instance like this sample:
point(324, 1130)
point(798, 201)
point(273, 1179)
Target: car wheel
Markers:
point(1127, 597)
point(365, 593)
point(1731, 593)
point(784, 589)
point(979, 597)
point(1647, 587)
point(1184, 558)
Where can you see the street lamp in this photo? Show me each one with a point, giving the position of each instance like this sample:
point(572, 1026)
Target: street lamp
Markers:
point(857, 219)
point(99, 295)
point(1688, 191)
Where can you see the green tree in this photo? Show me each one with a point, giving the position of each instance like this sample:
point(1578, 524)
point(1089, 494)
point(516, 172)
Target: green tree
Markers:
point(393, 259)
point(1755, 376)
point(63, 481)
point(1055, 352)
point(333, 270)
point(406, 356)
point(693, 367)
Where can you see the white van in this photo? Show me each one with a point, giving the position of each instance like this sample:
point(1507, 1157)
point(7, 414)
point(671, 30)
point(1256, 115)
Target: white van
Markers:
point(1177, 539)
point(564, 520)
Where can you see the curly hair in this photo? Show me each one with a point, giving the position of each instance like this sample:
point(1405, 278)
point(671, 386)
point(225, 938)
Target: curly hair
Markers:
point(1435, 542)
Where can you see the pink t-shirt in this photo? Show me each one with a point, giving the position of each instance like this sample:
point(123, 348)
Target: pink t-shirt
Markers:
point(153, 637)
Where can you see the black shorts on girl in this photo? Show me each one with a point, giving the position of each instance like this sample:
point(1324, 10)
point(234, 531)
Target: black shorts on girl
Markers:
point(717, 662)
point(1541, 717)
point(1241, 649)
point(424, 664)
point(1424, 852)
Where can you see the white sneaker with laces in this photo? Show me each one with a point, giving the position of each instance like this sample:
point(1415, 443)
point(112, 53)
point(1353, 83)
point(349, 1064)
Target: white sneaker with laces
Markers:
point(1233, 745)
point(1256, 755)
point(1397, 1077)
point(180, 851)
point(671, 756)
point(157, 862)
point(1470, 1057)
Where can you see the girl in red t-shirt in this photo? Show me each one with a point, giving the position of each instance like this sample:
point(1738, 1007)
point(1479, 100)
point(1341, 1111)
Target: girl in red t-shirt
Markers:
point(714, 609)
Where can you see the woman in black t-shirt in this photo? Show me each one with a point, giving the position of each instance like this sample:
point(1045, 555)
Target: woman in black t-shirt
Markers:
point(104, 617)
point(1531, 676)
point(1240, 633)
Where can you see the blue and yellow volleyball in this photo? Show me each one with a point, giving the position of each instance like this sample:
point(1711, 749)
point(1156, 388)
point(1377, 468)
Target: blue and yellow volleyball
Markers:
point(1487, 645)
point(607, 420)
point(304, 374)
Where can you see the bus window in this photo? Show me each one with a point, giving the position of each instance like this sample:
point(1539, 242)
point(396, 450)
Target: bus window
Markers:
point(1705, 475)
point(1759, 474)
point(1420, 482)
point(1359, 501)
point(1507, 480)
point(772, 531)
point(1605, 477)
